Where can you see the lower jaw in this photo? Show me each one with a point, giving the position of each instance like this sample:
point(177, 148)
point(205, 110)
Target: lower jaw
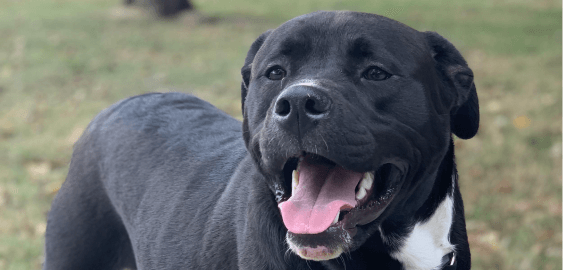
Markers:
point(318, 253)
point(324, 246)
point(338, 238)
point(331, 243)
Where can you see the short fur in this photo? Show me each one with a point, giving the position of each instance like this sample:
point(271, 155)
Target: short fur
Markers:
point(167, 181)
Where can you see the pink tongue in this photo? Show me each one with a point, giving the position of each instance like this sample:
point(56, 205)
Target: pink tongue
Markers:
point(322, 191)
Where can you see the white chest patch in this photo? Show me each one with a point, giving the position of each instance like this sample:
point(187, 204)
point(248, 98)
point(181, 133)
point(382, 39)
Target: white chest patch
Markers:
point(428, 242)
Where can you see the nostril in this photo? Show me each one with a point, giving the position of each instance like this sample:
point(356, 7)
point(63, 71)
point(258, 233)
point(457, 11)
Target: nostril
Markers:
point(310, 107)
point(315, 107)
point(283, 108)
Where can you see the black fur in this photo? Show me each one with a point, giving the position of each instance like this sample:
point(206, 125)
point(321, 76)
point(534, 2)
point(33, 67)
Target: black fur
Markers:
point(167, 181)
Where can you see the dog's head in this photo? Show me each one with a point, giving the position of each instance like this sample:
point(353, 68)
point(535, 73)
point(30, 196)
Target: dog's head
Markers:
point(346, 114)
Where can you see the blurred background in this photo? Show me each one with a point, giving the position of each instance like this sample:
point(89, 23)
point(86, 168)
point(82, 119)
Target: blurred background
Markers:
point(62, 61)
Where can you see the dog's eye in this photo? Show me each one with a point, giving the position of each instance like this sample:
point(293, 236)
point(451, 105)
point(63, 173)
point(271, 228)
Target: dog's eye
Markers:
point(276, 74)
point(376, 74)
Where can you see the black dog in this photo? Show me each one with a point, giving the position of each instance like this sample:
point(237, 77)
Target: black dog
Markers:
point(344, 160)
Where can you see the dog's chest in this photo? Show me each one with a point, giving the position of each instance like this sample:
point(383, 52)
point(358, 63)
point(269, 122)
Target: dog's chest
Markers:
point(426, 245)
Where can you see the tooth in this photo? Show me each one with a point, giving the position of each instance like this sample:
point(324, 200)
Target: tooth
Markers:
point(294, 179)
point(367, 181)
point(361, 193)
point(336, 218)
point(299, 163)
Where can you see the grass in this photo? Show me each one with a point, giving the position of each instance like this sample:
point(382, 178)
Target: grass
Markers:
point(63, 61)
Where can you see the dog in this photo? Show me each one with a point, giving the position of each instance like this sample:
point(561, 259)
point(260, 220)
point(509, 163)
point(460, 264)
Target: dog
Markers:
point(344, 160)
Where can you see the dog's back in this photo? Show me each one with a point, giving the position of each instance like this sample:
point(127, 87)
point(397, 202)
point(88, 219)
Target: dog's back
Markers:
point(116, 184)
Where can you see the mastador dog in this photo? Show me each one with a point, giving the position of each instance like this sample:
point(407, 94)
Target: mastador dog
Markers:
point(344, 160)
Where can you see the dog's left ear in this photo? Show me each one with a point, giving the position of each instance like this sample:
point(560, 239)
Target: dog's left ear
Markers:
point(246, 70)
point(458, 77)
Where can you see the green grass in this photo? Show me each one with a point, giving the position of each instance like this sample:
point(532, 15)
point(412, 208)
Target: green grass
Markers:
point(63, 61)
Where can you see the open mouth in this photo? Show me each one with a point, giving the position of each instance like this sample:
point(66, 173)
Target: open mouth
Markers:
point(327, 199)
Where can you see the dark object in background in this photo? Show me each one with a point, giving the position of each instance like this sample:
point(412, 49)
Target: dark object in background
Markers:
point(167, 8)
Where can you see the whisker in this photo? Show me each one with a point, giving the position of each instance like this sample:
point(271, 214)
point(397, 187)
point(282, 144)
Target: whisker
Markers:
point(307, 262)
point(326, 144)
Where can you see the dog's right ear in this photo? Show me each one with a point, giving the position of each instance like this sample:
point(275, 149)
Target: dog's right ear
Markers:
point(247, 68)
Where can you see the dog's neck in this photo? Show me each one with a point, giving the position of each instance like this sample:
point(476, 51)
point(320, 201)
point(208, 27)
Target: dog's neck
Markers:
point(422, 242)
point(426, 244)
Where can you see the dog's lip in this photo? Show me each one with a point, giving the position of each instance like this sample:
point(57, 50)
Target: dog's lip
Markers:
point(370, 211)
point(334, 240)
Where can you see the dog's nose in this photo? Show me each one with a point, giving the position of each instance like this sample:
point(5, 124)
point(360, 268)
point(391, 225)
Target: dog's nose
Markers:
point(299, 108)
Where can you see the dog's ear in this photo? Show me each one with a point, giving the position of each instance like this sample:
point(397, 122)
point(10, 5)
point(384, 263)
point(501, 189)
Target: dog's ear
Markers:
point(458, 78)
point(247, 68)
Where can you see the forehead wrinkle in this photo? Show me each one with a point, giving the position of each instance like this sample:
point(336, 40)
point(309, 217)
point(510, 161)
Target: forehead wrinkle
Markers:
point(293, 44)
point(359, 47)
